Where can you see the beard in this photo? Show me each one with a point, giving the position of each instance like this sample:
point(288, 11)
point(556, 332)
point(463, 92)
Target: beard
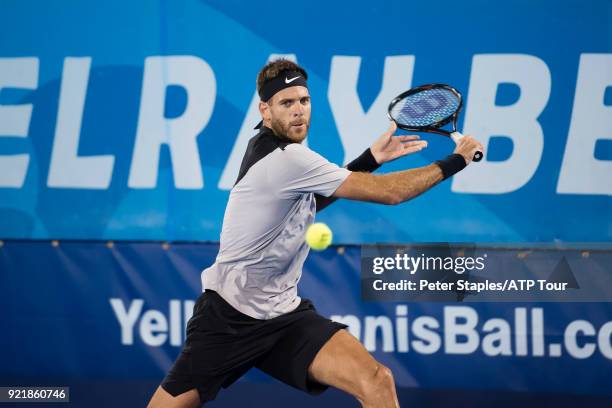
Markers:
point(288, 131)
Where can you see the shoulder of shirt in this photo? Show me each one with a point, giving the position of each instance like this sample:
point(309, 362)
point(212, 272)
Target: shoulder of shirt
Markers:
point(298, 148)
point(298, 153)
point(299, 156)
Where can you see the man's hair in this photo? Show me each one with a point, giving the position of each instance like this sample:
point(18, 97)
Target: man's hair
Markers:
point(276, 68)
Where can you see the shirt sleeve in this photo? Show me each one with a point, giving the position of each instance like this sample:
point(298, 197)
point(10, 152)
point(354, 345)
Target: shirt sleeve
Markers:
point(299, 170)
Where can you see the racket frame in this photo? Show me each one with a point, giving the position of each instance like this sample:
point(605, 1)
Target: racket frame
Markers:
point(434, 127)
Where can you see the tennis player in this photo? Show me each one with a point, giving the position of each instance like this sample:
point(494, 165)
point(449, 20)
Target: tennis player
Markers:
point(250, 314)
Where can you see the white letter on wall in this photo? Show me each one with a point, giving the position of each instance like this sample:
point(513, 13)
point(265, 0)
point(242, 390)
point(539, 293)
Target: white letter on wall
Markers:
point(15, 120)
point(357, 128)
point(67, 169)
point(581, 172)
point(518, 121)
point(180, 133)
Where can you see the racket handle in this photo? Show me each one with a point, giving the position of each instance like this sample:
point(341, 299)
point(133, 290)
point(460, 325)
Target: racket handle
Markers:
point(456, 136)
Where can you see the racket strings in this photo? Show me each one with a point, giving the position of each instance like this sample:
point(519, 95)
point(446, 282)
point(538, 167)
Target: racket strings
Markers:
point(425, 108)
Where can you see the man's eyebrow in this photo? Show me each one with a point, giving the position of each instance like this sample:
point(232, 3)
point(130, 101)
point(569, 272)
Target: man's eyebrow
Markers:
point(293, 99)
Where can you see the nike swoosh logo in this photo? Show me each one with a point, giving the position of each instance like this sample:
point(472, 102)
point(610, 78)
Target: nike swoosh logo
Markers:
point(288, 81)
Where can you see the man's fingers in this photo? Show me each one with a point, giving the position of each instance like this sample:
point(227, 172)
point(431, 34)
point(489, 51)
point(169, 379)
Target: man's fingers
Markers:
point(410, 150)
point(421, 144)
point(391, 129)
point(408, 137)
point(476, 145)
point(470, 138)
point(471, 142)
point(413, 147)
point(469, 146)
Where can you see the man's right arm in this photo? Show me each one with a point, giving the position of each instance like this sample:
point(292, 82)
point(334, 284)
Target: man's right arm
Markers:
point(397, 187)
point(392, 188)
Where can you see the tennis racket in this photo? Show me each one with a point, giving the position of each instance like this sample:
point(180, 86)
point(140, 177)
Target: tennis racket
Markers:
point(427, 108)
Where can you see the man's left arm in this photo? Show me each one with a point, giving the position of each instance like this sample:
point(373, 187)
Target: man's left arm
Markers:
point(385, 149)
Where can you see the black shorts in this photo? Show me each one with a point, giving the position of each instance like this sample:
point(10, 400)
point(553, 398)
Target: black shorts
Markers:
point(223, 344)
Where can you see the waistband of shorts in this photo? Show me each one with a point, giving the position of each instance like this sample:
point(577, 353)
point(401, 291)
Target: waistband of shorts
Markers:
point(225, 309)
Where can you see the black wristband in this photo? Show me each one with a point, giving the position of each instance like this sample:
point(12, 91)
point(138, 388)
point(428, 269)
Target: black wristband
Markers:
point(365, 162)
point(454, 163)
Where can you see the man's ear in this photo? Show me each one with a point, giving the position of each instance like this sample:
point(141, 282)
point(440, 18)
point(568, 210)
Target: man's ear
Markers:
point(264, 109)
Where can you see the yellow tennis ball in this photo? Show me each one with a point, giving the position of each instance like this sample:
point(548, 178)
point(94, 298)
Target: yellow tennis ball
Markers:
point(319, 236)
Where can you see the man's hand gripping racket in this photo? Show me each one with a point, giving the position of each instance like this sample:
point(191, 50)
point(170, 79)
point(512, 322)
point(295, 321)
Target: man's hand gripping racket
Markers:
point(429, 107)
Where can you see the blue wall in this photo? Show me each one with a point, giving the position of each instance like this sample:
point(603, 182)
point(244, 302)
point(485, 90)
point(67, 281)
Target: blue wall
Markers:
point(65, 322)
point(91, 93)
point(127, 121)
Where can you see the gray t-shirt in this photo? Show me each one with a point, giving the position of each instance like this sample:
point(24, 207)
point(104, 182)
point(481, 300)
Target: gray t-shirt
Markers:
point(262, 248)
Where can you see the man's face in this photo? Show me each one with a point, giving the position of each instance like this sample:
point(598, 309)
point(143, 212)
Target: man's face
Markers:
point(287, 113)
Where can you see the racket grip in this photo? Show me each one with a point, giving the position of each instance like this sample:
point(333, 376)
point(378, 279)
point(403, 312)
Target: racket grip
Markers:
point(456, 136)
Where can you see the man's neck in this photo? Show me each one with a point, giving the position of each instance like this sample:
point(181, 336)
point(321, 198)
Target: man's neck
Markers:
point(282, 138)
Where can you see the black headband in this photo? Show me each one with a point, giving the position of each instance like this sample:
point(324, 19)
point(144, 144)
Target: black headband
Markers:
point(274, 85)
point(286, 80)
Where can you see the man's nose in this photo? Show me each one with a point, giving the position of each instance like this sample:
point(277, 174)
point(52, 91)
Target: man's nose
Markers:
point(298, 109)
